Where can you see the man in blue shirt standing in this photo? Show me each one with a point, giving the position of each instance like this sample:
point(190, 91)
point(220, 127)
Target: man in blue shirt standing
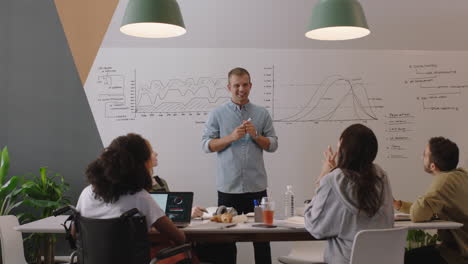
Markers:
point(239, 132)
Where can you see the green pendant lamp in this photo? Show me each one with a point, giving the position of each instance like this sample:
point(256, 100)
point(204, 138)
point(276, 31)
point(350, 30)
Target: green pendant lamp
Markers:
point(337, 20)
point(153, 19)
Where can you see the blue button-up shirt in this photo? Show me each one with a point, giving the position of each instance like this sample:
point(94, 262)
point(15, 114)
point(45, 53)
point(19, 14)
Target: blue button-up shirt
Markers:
point(240, 165)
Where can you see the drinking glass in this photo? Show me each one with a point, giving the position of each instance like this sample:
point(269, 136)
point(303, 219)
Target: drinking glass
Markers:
point(268, 208)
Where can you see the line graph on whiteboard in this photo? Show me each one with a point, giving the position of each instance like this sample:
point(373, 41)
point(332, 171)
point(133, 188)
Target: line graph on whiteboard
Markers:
point(181, 95)
point(126, 97)
point(335, 98)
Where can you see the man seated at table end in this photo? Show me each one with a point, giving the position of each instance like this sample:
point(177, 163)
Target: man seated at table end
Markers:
point(446, 199)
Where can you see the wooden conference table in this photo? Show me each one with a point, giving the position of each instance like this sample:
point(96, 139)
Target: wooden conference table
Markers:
point(198, 231)
point(204, 231)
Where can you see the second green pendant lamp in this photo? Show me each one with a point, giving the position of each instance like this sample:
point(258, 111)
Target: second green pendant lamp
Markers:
point(337, 20)
point(153, 19)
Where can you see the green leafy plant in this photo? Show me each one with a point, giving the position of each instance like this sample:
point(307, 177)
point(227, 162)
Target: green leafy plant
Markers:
point(9, 191)
point(44, 192)
point(10, 194)
point(419, 238)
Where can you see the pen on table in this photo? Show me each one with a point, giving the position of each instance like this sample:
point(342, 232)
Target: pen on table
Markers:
point(231, 225)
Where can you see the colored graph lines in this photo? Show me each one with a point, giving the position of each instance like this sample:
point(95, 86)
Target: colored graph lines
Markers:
point(182, 96)
point(336, 98)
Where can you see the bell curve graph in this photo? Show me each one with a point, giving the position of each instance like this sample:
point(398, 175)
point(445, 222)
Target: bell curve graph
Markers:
point(336, 98)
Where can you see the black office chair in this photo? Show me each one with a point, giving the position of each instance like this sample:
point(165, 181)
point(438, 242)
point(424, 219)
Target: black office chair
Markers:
point(117, 240)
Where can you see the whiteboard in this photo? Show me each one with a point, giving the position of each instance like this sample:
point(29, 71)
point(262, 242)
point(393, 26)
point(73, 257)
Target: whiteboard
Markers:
point(406, 97)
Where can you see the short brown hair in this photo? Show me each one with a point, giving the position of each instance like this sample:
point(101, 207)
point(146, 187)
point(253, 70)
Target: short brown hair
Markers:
point(444, 153)
point(238, 72)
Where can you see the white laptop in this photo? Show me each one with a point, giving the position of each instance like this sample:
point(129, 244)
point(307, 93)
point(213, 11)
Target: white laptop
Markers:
point(176, 205)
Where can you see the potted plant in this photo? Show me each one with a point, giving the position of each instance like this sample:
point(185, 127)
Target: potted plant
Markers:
point(418, 238)
point(44, 192)
point(9, 191)
point(10, 194)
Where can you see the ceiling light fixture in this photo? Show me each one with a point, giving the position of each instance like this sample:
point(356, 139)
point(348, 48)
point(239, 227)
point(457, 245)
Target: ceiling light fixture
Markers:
point(337, 20)
point(153, 19)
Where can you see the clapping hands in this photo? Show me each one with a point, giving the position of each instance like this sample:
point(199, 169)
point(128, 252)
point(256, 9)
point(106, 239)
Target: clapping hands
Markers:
point(329, 163)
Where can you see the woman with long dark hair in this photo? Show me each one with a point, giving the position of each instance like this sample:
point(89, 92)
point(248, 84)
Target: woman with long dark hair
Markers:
point(119, 181)
point(353, 194)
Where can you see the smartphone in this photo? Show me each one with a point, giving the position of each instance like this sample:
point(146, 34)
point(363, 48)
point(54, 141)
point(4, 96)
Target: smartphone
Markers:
point(264, 226)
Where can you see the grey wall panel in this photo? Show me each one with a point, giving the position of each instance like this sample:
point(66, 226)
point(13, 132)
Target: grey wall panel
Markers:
point(49, 122)
point(3, 69)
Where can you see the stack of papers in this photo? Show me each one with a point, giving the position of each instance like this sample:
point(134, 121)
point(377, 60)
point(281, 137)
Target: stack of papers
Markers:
point(298, 220)
point(295, 222)
point(212, 225)
point(402, 217)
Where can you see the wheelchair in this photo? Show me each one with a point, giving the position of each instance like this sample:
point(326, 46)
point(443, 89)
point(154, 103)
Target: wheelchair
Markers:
point(117, 240)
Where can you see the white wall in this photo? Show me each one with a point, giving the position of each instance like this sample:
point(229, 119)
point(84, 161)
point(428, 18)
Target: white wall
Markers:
point(254, 34)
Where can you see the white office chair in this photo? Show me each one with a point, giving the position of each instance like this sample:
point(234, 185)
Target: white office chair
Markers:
point(12, 242)
point(305, 252)
point(383, 246)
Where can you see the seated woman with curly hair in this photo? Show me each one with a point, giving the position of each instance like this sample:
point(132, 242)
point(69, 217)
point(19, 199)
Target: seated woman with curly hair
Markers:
point(119, 181)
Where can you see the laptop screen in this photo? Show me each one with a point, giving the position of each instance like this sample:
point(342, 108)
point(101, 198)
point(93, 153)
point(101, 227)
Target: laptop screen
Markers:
point(176, 205)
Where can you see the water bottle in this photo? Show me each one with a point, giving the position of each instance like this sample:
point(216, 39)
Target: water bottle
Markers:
point(288, 202)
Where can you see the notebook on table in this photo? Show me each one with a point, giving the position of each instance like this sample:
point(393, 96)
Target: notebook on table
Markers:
point(176, 205)
point(402, 217)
